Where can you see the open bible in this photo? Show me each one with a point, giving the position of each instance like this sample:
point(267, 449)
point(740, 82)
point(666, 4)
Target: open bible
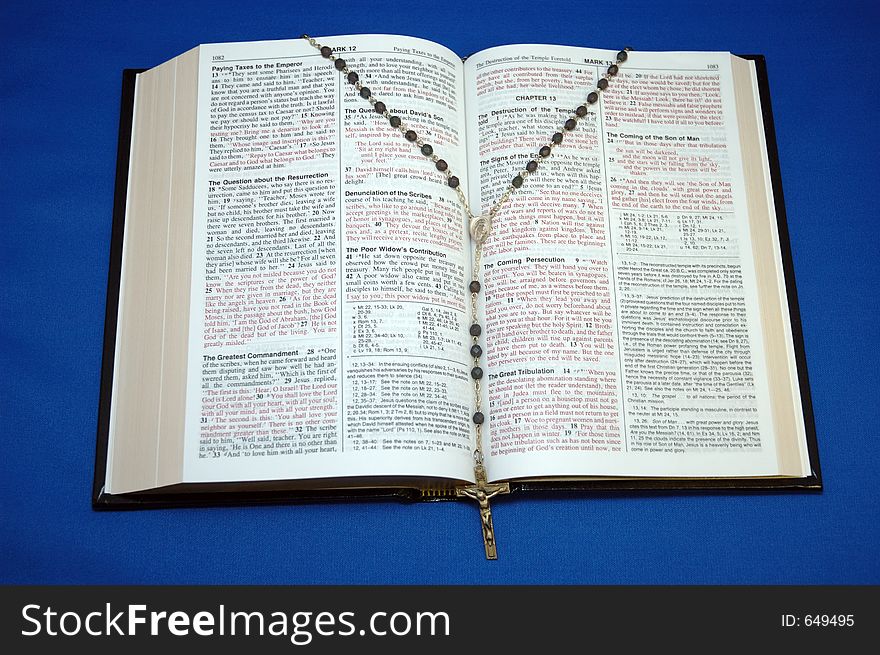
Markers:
point(288, 309)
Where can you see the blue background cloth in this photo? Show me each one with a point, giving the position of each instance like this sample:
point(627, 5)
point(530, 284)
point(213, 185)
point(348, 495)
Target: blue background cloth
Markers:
point(59, 88)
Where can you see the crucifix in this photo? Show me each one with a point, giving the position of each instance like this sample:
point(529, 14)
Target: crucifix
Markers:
point(482, 491)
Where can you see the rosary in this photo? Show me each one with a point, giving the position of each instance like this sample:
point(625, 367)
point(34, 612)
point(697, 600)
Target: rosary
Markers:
point(480, 226)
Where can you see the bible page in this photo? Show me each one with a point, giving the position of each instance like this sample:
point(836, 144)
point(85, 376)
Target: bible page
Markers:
point(328, 329)
point(622, 322)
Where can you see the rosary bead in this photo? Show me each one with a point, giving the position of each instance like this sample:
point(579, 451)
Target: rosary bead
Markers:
point(570, 124)
point(557, 138)
point(340, 64)
point(517, 182)
point(380, 107)
point(427, 150)
point(411, 135)
point(476, 351)
point(476, 372)
point(326, 52)
point(441, 165)
point(613, 69)
point(353, 77)
point(365, 92)
point(532, 166)
point(545, 152)
point(479, 418)
point(593, 97)
point(622, 56)
point(394, 120)
point(581, 111)
point(453, 181)
point(474, 286)
point(476, 330)
point(602, 84)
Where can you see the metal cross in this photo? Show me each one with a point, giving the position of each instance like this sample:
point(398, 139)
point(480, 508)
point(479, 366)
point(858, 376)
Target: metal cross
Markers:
point(482, 491)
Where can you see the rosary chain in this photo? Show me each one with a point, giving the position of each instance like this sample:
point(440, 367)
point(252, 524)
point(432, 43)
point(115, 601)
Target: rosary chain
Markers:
point(428, 150)
point(479, 237)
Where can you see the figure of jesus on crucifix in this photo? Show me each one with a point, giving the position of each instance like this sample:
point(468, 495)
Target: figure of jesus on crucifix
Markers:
point(482, 491)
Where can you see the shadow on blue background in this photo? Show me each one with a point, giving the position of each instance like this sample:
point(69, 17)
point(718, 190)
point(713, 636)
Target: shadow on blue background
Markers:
point(59, 101)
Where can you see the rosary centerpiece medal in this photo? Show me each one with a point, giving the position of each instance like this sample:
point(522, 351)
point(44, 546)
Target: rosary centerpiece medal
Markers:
point(480, 226)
